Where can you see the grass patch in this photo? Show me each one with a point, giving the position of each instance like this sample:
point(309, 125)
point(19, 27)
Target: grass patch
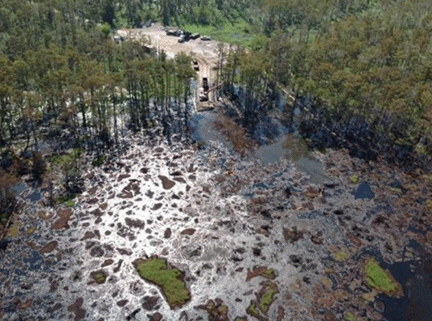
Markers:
point(66, 200)
point(236, 134)
point(14, 229)
point(65, 159)
point(381, 280)
point(428, 204)
point(349, 316)
point(261, 271)
point(340, 255)
point(354, 179)
point(99, 276)
point(252, 310)
point(99, 160)
point(267, 296)
point(170, 280)
point(236, 32)
point(31, 230)
point(396, 190)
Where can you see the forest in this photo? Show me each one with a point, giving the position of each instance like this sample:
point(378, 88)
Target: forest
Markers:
point(360, 71)
point(309, 199)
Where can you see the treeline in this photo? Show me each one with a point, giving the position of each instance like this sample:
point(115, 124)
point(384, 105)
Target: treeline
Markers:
point(369, 78)
point(360, 70)
point(66, 85)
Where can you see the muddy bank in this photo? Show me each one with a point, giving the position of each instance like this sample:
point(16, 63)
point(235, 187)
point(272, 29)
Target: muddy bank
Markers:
point(252, 240)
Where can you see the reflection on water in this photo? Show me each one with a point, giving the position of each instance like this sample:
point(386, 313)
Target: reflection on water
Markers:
point(287, 146)
point(364, 191)
point(419, 292)
point(204, 128)
point(35, 196)
point(416, 303)
point(296, 145)
point(296, 149)
point(19, 187)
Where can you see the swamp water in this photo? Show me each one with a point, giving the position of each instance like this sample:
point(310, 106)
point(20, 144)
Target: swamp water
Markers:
point(288, 146)
point(169, 201)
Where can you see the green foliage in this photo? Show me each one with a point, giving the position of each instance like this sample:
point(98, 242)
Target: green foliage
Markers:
point(170, 280)
point(7, 197)
point(236, 32)
point(252, 310)
point(267, 297)
point(269, 273)
point(99, 276)
point(380, 279)
point(428, 204)
point(340, 255)
point(354, 179)
point(61, 160)
point(105, 28)
point(66, 199)
point(349, 316)
point(258, 42)
point(99, 160)
point(38, 167)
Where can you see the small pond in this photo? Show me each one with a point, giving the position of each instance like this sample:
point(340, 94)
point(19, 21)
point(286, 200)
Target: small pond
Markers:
point(287, 146)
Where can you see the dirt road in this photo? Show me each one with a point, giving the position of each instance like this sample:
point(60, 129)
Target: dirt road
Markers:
point(205, 52)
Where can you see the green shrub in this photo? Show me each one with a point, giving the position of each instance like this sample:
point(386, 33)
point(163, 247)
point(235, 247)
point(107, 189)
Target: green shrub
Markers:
point(38, 166)
point(99, 160)
point(67, 200)
point(381, 280)
point(170, 280)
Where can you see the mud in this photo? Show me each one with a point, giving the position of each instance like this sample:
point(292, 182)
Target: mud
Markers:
point(217, 218)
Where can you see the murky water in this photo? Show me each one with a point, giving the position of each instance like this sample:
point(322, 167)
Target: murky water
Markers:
point(364, 191)
point(419, 292)
point(204, 129)
point(395, 308)
point(295, 149)
point(286, 146)
point(19, 187)
point(35, 196)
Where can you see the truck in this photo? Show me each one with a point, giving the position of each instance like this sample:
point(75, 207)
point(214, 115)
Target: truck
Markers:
point(185, 37)
point(195, 65)
point(202, 95)
point(205, 84)
point(174, 32)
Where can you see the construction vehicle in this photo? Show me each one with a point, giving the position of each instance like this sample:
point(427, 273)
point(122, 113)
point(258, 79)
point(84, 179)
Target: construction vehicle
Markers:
point(196, 65)
point(202, 95)
point(204, 90)
point(205, 84)
point(174, 32)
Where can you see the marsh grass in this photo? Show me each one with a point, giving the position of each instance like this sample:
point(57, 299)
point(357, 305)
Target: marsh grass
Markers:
point(236, 134)
point(235, 32)
point(170, 280)
point(381, 280)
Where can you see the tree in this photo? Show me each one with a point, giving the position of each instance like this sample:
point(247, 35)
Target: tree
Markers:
point(38, 166)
